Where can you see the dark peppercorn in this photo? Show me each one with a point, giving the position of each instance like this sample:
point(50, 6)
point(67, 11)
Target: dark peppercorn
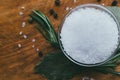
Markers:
point(30, 20)
point(51, 11)
point(57, 2)
point(55, 16)
point(40, 54)
point(98, 0)
point(114, 3)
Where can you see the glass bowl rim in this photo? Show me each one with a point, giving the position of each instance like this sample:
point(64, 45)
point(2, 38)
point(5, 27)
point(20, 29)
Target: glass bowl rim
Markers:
point(97, 6)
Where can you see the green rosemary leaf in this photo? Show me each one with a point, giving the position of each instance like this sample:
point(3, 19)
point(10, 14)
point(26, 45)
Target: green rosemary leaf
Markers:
point(43, 25)
point(40, 21)
point(106, 70)
point(52, 29)
point(48, 31)
point(109, 65)
point(40, 15)
point(48, 25)
point(115, 58)
point(46, 19)
point(43, 33)
point(46, 37)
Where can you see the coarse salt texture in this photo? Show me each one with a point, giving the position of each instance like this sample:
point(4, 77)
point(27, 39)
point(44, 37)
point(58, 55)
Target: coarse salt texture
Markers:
point(33, 46)
point(25, 36)
point(23, 24)
point(19, 45)
point(22, 7)
point(37, 49)
point(67, 8)
point(21, 13)
point(33, 40)
point(20, 33)
point(74, 1)
point(89, 35)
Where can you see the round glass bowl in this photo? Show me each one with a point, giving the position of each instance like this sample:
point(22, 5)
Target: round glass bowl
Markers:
point(99, 7)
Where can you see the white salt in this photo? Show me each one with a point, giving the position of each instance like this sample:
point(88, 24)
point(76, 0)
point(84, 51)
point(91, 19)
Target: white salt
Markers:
point(22, 7)
point(33, 46)
point(89, 35)
point(23, 24)
point(67, 8)
point(25, 36)
point(74, 1)
point(70, 8)
point(19, 45)
point(20, 33)
point(21, 13)
point(37, 49)
point(103, 4)
point(33, 40)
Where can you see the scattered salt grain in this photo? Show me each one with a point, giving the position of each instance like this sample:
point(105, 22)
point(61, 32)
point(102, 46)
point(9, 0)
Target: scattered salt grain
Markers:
point(20, 33)
point(89, 35)
point(67, 8)
point(70, 8)
point(23, 24)
point(21, 13)
point(33, 46)
point(74, 1)
point(22, 7)
point(19, 45)
point(33, 40)
point(25, 36)
point(103, 4)
point(37, 49)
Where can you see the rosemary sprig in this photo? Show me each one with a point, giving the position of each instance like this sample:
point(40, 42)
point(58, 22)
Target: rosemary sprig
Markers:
point(47, 30)
point(45, 27)
point(106, 70)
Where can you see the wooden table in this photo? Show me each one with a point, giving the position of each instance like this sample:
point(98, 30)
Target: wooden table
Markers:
point(18, 63)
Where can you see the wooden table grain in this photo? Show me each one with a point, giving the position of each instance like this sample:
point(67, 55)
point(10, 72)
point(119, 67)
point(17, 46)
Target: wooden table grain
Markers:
point(18, 63)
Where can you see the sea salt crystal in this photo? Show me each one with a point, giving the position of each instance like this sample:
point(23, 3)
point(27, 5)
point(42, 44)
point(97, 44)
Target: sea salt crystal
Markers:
point(103, 4)
point(19, 45)
point(20, 33)
point(37, 49)
point(33, 40)
point(33, 46)
point(74, 1)
point(23, 24)
point(21, 13)
point(25, 36)
point(70, 8)
point(23, 7)
point(67, 8)
point(89, 35)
